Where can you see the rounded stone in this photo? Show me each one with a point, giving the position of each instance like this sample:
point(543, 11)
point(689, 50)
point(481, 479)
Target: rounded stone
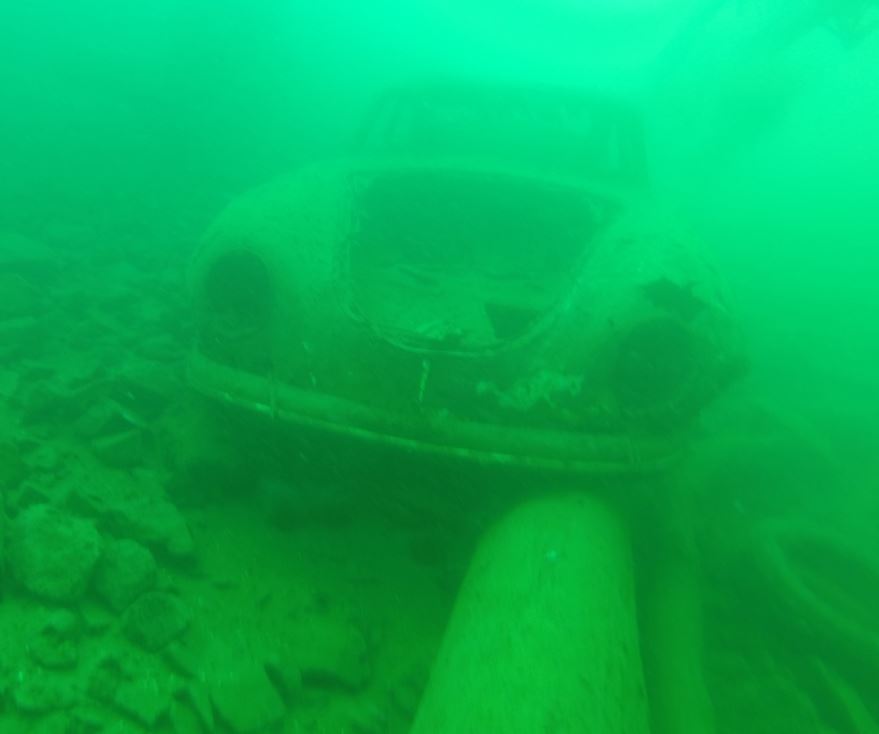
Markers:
point(52, 553)
point(125, 571)
point(55, 644)
point(156, 619)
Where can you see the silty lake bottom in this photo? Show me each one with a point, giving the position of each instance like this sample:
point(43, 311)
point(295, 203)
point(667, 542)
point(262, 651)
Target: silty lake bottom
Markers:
point(439, 367)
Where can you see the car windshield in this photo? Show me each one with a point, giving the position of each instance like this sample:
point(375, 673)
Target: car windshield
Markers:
point(556, 131)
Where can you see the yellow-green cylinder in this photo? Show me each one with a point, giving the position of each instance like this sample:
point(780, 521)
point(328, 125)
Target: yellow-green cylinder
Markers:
point(543, 636)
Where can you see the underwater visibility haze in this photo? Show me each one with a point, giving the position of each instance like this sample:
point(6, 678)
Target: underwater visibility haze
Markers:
point(439, 367)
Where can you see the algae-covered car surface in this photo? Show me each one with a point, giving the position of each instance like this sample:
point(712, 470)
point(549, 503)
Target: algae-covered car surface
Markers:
point(485, 277)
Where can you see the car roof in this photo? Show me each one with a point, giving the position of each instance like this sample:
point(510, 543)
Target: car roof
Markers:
point(562, 131)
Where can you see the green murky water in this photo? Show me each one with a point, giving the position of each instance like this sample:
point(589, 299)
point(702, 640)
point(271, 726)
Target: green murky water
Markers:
point(439, 367)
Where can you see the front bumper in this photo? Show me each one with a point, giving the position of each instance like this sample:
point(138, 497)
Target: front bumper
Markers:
point(435, 434)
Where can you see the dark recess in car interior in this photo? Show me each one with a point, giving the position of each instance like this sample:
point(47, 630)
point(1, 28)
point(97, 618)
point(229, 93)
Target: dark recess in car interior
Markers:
point(463, 259)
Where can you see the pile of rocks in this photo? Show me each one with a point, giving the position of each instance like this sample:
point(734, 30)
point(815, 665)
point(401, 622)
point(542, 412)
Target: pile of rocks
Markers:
point(99, 625)
point(85, 601)
point(96, 590)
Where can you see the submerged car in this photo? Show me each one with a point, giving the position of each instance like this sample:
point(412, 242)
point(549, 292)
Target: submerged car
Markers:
point(484, 277)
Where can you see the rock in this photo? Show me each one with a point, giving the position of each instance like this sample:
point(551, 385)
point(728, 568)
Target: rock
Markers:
point(160, 348)
point(366, 717)
point(31, 492)
point(9, 380)
point(87, 717)
point(124, 450)
point(330, 652)
point(52, 554)
point(56, 643)
point(110, 670)
point(120, 726)
point(21, 336)
point(125, 571)
point(104, 678)
point(199, 698)
point(246, 701)
point(38, 692)
point(406, 692)
point(13, 469)
point(44, 458)
point(104, 417)
point(28, 257)
point(144, 699)
point(116, 433)
point(133, 684)
point(7, 676)
point(156, 619)
point(146, 390)
point(2, 545)
point(57, 723)
point(18, 296)
point(186, 654)
point(184, 720)
point(285, 674)
point(138, 512)
point(95, 616)
point(159, 524)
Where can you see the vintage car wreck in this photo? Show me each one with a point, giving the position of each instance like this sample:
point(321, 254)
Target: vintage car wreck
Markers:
point(486, 279)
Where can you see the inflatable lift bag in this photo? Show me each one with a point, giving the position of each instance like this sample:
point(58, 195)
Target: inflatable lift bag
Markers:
point(543, 636)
